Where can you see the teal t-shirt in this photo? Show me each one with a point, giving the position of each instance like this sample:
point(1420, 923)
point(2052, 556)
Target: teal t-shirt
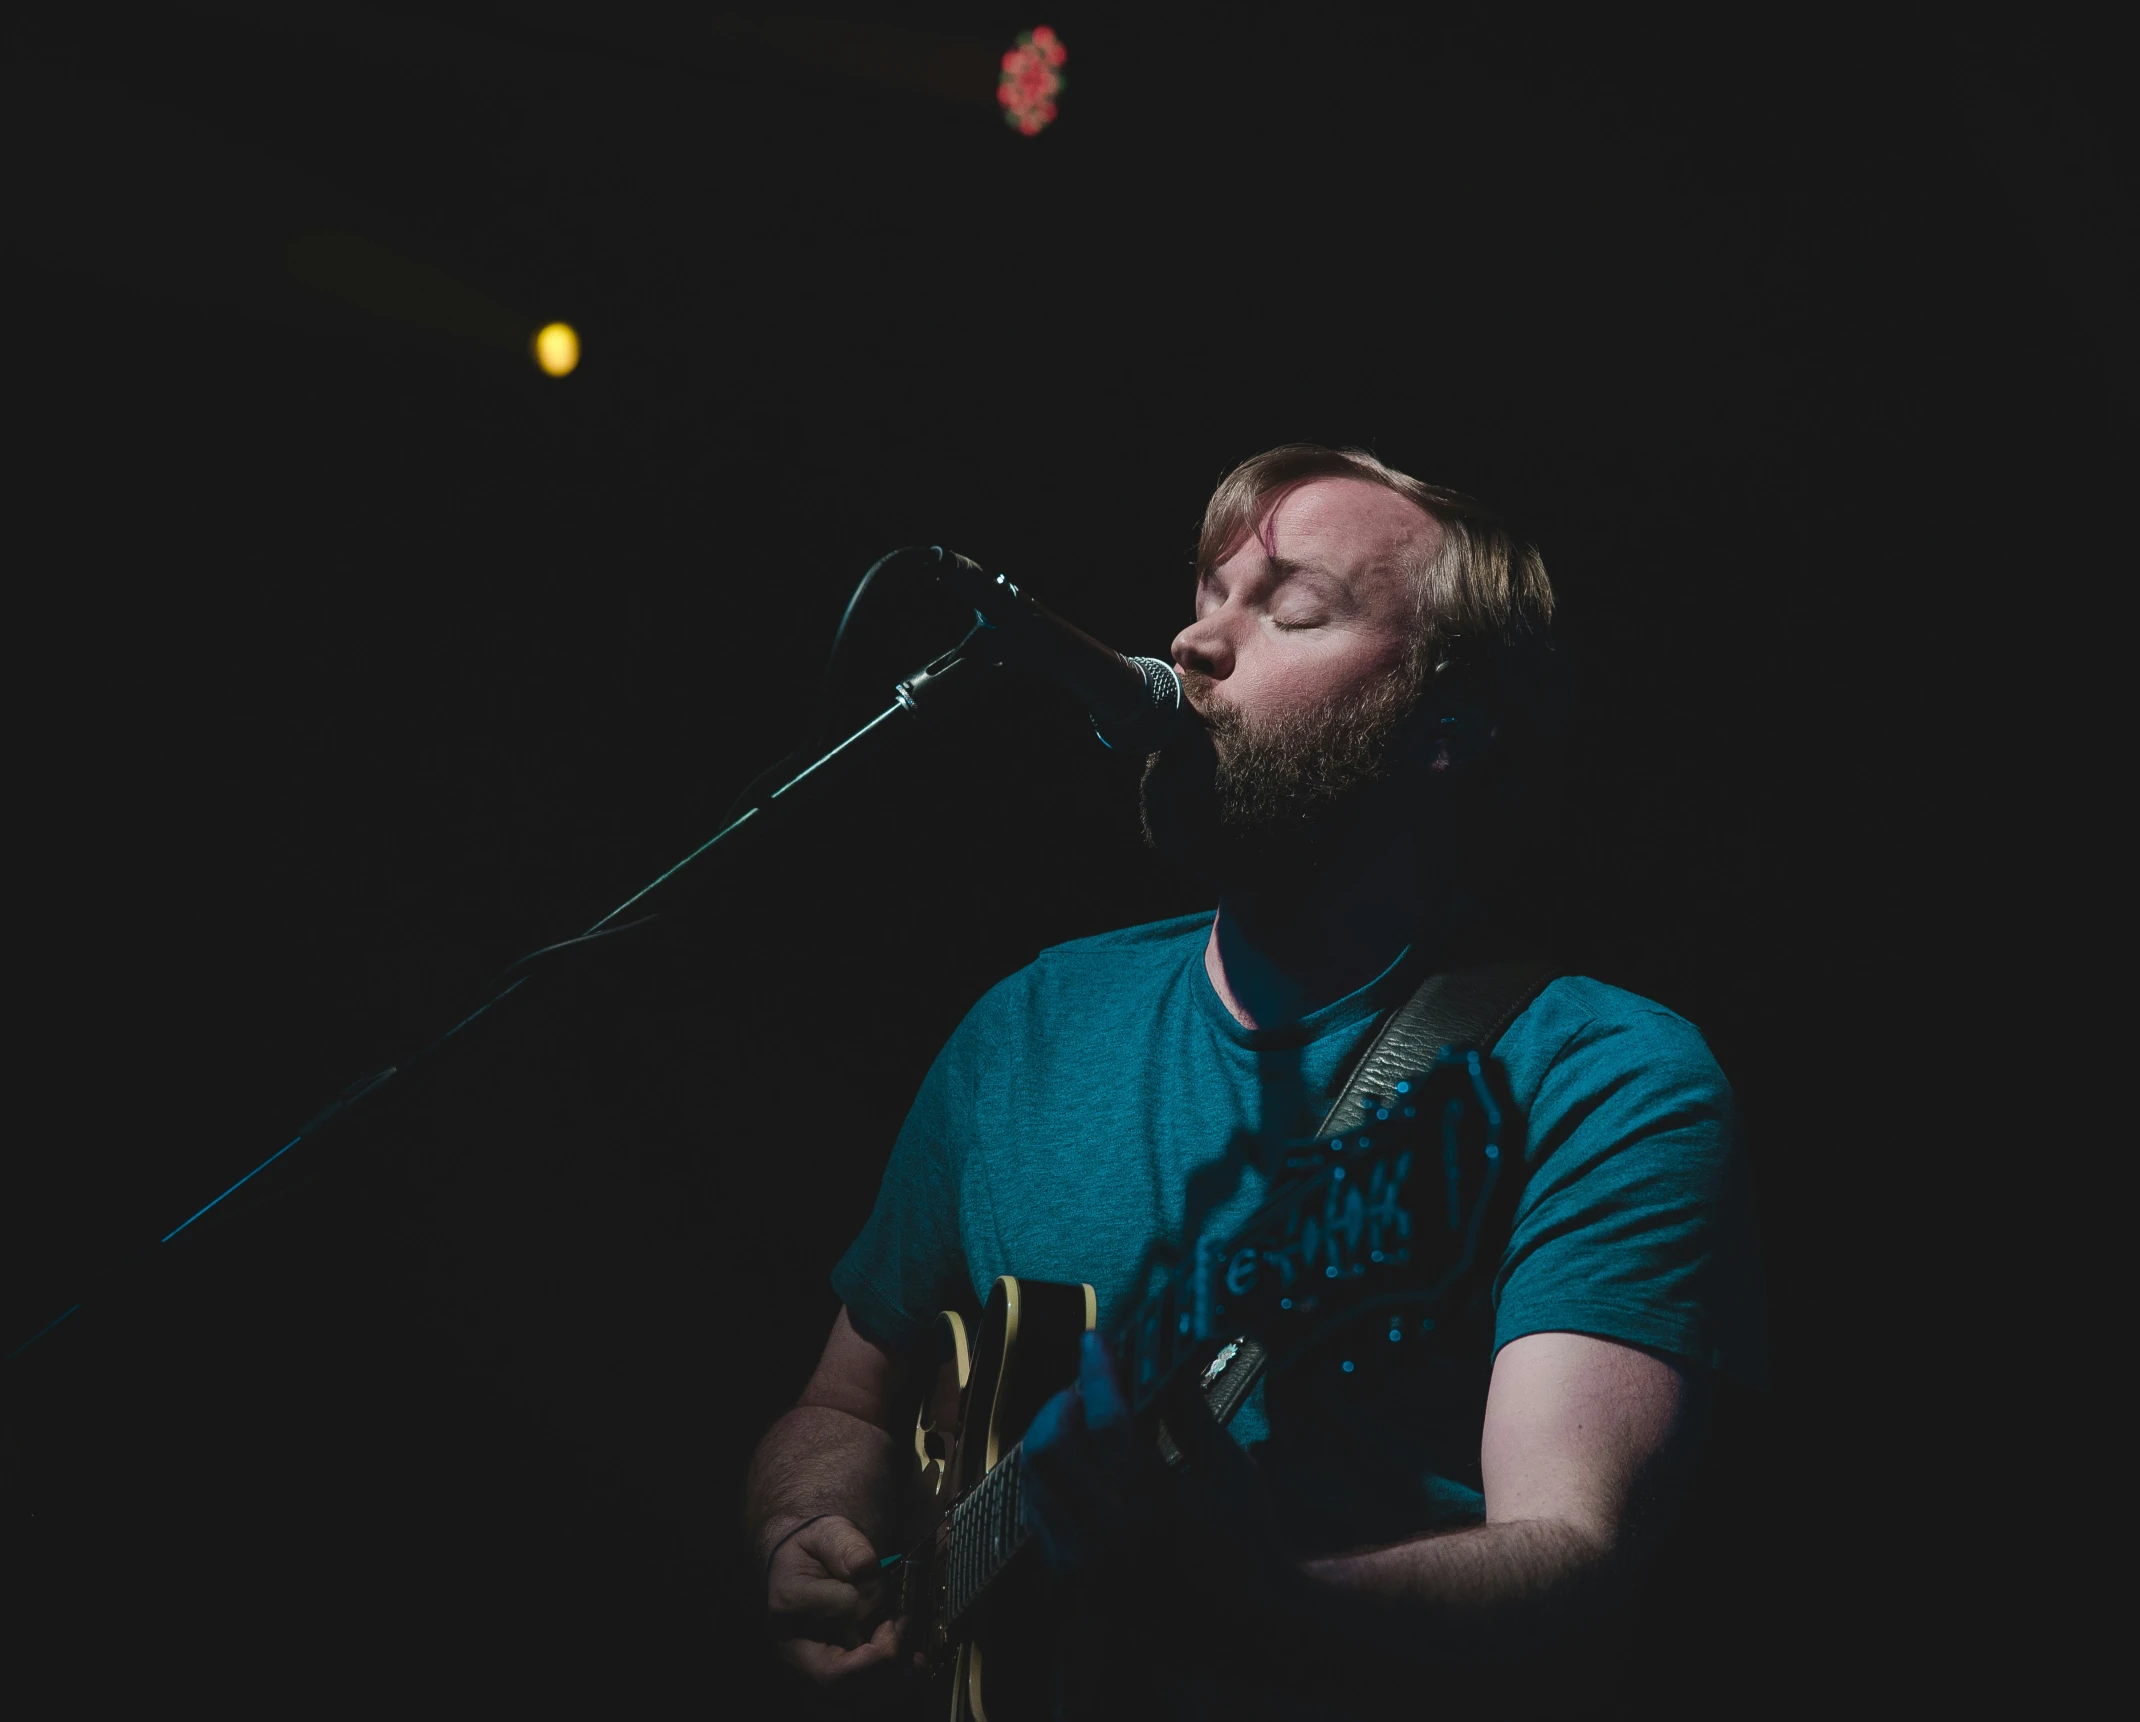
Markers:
point(1101, 1110)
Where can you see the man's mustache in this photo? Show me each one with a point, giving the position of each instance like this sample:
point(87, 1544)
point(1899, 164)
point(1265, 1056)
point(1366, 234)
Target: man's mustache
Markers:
point(1201, 692)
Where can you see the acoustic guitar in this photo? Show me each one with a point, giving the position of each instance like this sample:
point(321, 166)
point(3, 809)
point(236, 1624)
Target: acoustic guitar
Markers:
point(1367, 1241)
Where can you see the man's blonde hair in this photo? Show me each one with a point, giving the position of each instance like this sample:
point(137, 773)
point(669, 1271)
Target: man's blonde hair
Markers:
point(1483, 594)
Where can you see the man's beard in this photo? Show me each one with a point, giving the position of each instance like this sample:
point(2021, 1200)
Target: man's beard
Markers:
point(1247, 807)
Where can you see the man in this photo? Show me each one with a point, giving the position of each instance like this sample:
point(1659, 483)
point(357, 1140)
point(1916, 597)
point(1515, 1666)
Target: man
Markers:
point(1355, 661)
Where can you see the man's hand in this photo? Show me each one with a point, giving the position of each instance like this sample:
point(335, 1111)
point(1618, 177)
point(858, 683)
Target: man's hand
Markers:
point(1098, 1495)
point(825, 1594)
point(1086, 1496)
point(832, 1460)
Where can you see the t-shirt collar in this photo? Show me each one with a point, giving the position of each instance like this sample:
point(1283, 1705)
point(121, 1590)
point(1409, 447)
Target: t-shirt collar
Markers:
point(1371, 1000)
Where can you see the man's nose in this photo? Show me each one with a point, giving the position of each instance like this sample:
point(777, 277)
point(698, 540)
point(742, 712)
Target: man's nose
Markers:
point(1203, 645)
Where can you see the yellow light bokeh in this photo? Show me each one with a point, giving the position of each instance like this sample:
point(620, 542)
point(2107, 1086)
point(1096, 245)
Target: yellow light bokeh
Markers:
point(557, 348)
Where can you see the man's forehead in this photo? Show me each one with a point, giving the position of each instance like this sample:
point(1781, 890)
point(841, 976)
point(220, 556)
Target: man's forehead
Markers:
point(1343, 523)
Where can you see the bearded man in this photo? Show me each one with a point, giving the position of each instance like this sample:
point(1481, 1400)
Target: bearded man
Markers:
point(1355, 664)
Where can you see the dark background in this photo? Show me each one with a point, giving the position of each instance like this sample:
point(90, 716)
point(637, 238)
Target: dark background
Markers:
point(353, 658)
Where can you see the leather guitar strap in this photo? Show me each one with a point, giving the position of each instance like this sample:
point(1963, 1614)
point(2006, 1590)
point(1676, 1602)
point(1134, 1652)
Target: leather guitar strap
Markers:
point(1454, 1007)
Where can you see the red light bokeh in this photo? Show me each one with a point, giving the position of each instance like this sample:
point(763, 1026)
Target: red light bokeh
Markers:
point(1031, 80)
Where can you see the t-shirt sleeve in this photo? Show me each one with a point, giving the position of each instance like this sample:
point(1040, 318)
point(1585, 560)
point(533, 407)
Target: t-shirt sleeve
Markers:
point(909, 1260)
point(1636, 1223)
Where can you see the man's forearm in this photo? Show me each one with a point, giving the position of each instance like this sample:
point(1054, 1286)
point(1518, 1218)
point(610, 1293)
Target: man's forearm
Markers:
point(819, 1460)
point(1506, 1612)
point(1501, 1588)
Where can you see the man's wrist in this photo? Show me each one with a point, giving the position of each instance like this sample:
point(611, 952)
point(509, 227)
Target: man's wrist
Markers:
point(795, 1526)
point(776, 1528)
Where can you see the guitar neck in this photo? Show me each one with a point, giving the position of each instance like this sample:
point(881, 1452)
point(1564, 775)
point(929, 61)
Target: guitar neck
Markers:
point(987, 1527)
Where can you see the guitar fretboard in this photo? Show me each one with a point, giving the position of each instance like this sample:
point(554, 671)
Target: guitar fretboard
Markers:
point(987, 1528)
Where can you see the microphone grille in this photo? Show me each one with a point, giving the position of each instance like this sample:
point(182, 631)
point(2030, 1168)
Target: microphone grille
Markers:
point(1162, 707)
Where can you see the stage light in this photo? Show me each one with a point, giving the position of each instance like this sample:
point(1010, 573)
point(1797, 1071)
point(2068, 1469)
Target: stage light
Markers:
point(557, 348)
point(1031, 80)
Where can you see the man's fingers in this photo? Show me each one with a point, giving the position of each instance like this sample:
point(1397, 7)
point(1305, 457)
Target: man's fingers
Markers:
point(1106, 1406)
point(826, 1663)
point(827, 1590)
point(827, 1571)
point(1057, 1423)
point(839, 1548)
point(821, 1598)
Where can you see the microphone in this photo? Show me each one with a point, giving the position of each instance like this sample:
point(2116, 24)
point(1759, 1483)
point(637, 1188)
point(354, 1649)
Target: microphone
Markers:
point(1134, 702)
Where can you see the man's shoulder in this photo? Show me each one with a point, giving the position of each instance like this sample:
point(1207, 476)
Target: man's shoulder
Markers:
point(1579, 1017)
point(1153, 940)
point(1129, 965)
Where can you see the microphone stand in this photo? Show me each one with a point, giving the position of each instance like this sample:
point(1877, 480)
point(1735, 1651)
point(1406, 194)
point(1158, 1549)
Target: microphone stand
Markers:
point(940, 683)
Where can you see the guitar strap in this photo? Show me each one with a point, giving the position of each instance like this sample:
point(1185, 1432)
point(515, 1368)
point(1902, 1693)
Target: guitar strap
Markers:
point(1452, 1007)
point(1469, 1007)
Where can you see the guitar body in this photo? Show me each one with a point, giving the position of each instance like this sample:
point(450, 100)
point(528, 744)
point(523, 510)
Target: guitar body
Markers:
point(988, 1389)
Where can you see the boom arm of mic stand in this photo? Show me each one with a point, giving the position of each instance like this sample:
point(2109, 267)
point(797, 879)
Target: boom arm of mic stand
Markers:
point(929, 688)
point(938, 684)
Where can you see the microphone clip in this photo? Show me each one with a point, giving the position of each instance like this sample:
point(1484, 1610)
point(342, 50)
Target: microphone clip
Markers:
point(945, 680)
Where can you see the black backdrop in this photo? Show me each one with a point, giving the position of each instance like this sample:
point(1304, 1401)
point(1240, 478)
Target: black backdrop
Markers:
point(354, 658)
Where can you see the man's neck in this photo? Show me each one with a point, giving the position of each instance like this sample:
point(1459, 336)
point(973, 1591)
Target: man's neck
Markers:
point(1275, 956)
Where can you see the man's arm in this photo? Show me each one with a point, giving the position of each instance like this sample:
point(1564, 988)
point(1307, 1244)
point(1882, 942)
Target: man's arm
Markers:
point(1584, 1449)
point(834, 1458)
point(1585, 1446)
